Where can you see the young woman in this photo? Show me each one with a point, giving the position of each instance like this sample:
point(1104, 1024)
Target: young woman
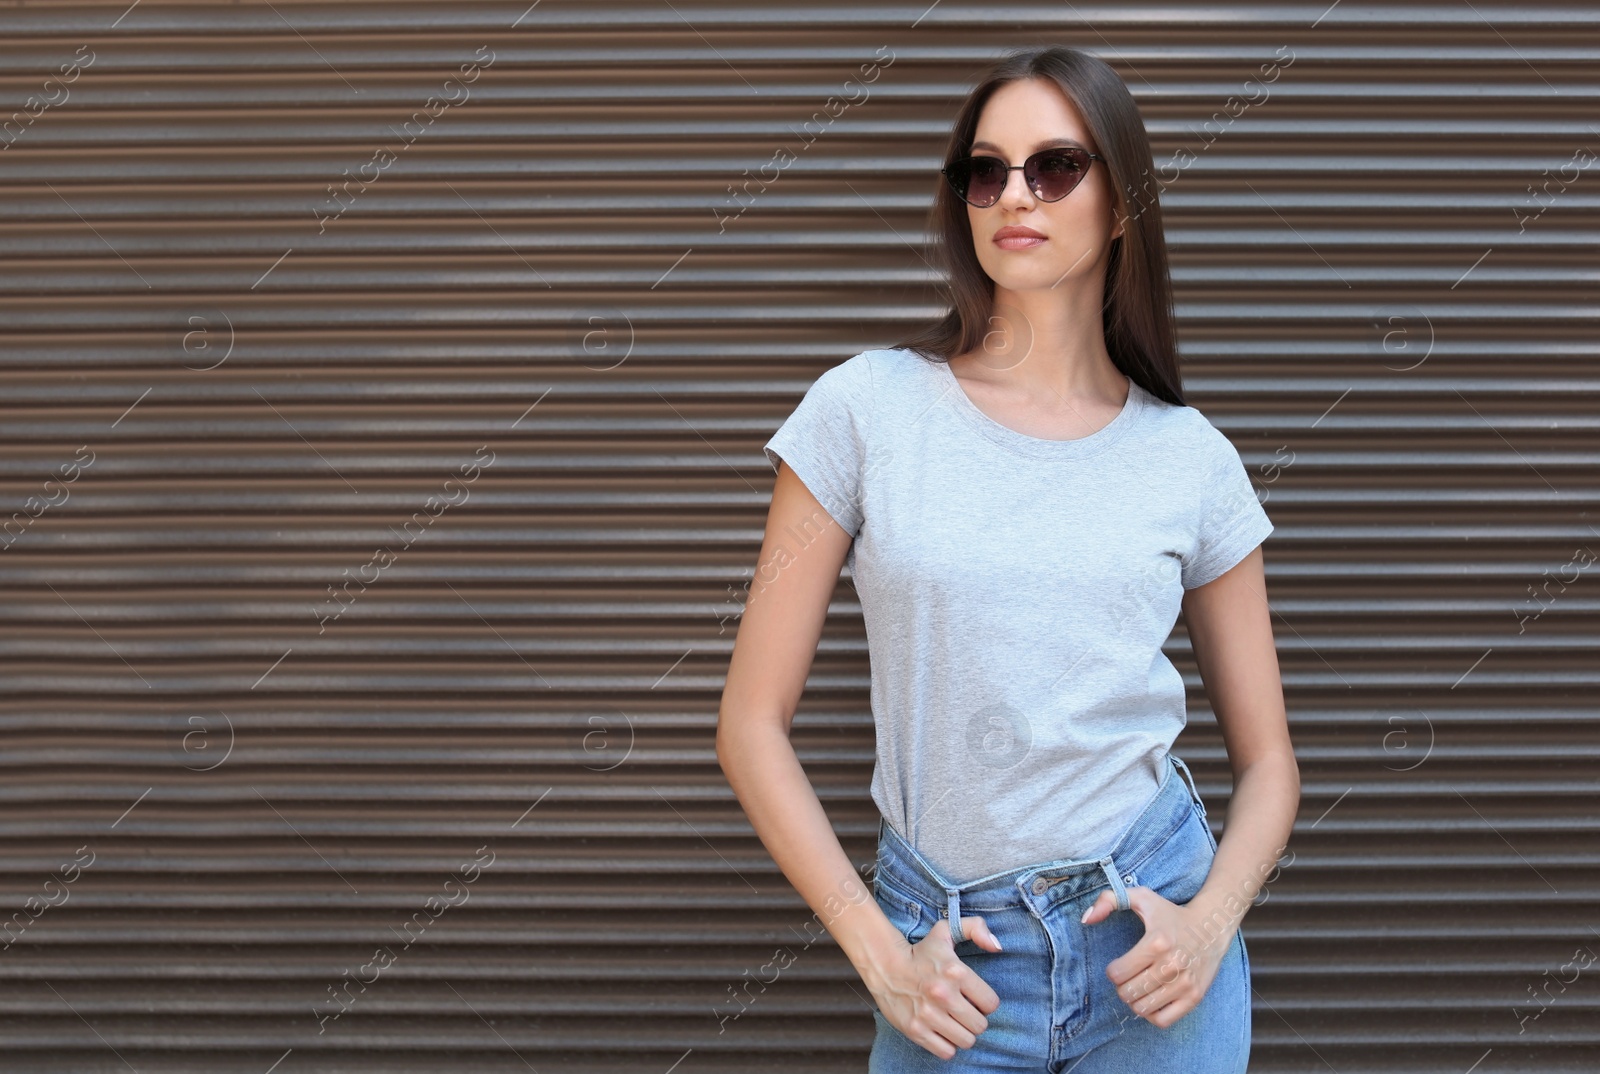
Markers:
point(1025, 501)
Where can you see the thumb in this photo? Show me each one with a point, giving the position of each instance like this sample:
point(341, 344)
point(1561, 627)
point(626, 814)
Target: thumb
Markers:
point(1100, 909)
point(976, 929)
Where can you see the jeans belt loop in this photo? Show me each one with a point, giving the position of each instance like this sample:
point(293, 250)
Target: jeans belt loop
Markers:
point(1188, 777)
point(1118, 888)
point(956, 916)
point(954, 912)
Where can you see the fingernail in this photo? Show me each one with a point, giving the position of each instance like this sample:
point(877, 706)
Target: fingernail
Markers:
point(1085, 916)
point(998, 945)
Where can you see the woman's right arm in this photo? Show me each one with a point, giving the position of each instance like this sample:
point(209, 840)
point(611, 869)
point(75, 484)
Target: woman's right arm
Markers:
point(925, 990)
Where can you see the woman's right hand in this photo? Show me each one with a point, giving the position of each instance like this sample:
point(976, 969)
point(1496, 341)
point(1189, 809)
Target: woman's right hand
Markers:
point(927, 993)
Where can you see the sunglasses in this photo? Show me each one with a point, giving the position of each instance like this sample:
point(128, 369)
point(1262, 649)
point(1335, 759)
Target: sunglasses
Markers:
point(1051, 174)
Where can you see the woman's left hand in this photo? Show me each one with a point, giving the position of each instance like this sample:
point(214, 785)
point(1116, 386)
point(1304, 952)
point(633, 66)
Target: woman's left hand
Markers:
point(1166, 974)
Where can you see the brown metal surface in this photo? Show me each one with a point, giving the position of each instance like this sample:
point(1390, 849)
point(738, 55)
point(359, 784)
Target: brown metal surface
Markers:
point(377, 501)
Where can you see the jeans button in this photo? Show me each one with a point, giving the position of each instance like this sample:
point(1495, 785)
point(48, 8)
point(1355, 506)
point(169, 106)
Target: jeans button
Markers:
point(1040, 885)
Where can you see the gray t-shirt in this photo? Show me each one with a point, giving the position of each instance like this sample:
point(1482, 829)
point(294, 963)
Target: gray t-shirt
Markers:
point(1016, 594)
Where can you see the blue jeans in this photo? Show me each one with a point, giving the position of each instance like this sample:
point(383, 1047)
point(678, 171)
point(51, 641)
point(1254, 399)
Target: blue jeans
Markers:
point(1059, 1011)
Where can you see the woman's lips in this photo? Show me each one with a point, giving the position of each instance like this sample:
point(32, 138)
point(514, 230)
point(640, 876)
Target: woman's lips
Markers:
point(1017, 237)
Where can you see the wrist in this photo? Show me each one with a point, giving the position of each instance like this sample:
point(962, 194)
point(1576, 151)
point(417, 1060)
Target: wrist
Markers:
point(1213, 918)
point(870, 942)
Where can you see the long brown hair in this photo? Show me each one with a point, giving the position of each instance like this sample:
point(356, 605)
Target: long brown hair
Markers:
point(1137, 311)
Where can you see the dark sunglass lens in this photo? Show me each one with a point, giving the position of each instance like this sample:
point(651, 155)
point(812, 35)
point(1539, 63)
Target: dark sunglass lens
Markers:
point(985, 178)
point(1054, 175)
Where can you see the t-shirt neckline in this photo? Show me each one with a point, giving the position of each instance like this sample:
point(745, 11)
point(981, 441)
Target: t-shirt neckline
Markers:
point(1033, 446)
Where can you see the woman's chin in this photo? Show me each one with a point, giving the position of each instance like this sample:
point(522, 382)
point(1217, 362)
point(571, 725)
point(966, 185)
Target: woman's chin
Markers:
point(1033, 278)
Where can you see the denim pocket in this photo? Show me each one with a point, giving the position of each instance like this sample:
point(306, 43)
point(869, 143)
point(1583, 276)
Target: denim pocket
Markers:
point(906, 914)
point(1206, 826)
point(1178, 869)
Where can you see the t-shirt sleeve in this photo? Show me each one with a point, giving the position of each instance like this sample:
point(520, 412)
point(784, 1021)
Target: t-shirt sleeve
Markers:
point(1232, 521)
point(824, 440)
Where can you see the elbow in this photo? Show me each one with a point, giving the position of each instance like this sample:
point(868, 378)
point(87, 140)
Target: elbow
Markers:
point(729, 744)
point(1291, 775)
point(740, 737)
point(1279, 765)
point(724, 744)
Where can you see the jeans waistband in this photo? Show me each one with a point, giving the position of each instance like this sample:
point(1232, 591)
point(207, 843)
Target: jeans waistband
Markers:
point(1047, 883)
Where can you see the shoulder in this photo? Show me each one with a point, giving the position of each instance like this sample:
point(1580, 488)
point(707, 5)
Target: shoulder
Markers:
point(865, 377)
point(842, 396)
point(879, 362)
point(1186, 432)
point(851, 378)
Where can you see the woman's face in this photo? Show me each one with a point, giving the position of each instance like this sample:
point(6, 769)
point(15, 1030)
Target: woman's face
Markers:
point(1077, 230)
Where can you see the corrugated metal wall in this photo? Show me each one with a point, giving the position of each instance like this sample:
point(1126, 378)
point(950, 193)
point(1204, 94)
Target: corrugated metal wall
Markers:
point(382, 388)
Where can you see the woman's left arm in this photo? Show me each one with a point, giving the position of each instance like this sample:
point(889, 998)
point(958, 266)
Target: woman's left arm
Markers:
point(1230, 631)
point(1167, 973)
